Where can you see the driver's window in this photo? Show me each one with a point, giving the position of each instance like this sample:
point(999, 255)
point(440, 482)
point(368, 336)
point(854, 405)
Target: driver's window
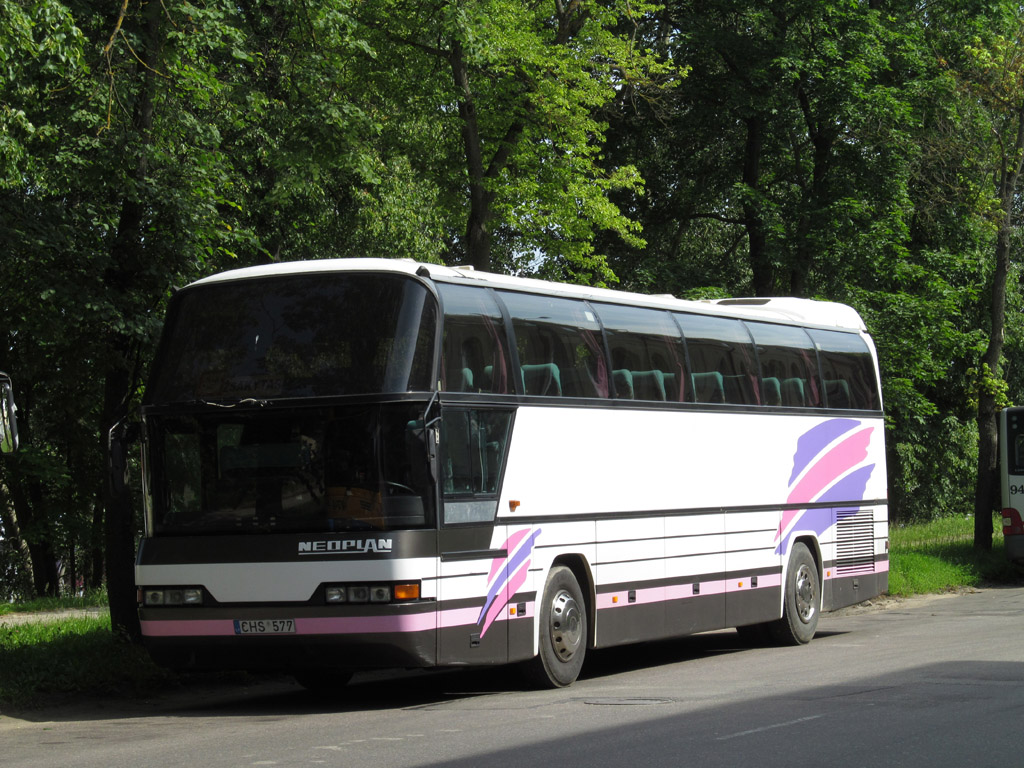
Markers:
point(473, 448)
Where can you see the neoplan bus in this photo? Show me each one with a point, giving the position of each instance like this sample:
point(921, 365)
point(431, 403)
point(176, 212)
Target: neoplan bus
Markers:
point(1011, 477)
point(363, 463)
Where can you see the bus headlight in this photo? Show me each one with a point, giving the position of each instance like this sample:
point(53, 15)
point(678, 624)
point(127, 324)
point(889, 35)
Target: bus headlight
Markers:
point(371, 593)
point(359, 594)
point(172, 596)
point(380, 594)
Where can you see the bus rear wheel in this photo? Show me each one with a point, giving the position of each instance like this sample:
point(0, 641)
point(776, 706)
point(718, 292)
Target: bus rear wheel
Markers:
point(802, 599)
point(562, 620)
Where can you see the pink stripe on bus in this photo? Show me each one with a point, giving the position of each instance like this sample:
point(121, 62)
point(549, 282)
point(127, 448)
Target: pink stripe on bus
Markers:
point(328, 625)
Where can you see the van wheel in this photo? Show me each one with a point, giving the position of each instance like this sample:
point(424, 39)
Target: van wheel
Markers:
point(562, 620)
point(803, 597)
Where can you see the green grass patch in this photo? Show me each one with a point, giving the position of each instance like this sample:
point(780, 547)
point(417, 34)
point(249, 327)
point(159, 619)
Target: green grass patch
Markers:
point(43, 660)
point(939, 556)
point(95, 598)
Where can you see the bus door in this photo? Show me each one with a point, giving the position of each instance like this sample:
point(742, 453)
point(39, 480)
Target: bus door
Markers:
point(1011, 479)
point(473, 564)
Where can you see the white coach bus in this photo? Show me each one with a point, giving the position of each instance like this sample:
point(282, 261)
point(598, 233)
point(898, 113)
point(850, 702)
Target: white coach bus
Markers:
point(360, 463)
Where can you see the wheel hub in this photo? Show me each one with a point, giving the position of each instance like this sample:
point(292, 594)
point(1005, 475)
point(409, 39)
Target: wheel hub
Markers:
point(806, 602)
point(566, 625)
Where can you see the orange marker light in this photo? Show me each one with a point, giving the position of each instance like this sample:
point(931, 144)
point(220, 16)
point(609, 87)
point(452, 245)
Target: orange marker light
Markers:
point(513, 505)
point(407, 591)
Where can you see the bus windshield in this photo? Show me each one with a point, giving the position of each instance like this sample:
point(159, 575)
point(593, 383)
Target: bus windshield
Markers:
point(343, 468)
point(297, 336)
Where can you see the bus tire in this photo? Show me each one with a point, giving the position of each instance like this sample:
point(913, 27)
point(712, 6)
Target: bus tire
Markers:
point(802, 601)
point(562, 622)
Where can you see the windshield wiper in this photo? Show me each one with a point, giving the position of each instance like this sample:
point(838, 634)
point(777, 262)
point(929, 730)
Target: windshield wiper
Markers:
point(236, 403)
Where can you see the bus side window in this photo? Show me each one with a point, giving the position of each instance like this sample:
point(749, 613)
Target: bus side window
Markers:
point(473, 447)
point(847, 370)
point(474, 354)
point(789, 365)
point(647, 353)
point(721, 360)
point(561, 351)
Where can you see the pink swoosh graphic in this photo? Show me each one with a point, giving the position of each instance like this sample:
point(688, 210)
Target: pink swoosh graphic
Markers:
point(508, 592)
point(848, 454)
point(509, 546)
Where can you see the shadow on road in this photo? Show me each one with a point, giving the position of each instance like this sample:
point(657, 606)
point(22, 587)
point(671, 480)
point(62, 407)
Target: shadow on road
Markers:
point(251, 695)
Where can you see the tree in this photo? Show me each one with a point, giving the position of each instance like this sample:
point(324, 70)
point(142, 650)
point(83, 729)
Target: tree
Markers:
point(515, 89)
point(993, 78)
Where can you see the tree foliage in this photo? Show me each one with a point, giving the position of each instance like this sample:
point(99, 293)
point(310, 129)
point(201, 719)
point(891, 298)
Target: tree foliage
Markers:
point(865, 152)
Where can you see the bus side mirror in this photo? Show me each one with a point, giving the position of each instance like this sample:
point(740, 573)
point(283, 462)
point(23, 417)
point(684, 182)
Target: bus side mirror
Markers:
point(119, 442)
point(8, 416)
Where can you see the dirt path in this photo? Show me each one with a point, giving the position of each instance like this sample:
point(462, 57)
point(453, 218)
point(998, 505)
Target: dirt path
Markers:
point(28, 617)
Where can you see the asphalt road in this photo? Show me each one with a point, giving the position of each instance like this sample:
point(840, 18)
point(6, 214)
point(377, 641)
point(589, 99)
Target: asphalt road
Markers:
point(931, 682)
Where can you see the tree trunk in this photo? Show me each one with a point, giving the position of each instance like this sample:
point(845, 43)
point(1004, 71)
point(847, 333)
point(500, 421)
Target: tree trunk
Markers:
point(481, 199)
point(127, 265)
point(753, 215)
point(36, 534)
point(986, 487)
point(814, 199)
point(95, 578)
point(119, 528)
point(478, 234)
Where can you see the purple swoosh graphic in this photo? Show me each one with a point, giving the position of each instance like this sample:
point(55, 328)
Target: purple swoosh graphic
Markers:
point(814, 441)
point(510, 544)
point(824, 471)
point(507, 575)
point(852, 486)
point(826, 476)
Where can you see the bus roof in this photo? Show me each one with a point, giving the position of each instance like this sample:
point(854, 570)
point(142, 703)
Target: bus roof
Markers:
point(825, 314)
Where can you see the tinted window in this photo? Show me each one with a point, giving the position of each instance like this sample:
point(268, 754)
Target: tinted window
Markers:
point(721, 360)
point(789, 366)
point(646, 351)
point(847, 370)
point(560, 346)
point(347, 468)
point(296, 336)
point(474, 355)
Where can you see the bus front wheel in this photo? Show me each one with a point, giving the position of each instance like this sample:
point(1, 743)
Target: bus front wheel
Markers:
point(562, 619)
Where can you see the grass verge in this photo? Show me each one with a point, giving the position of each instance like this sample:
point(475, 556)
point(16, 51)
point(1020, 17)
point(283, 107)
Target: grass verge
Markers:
point(40, 661)
point(95, 598)
point(939, 556)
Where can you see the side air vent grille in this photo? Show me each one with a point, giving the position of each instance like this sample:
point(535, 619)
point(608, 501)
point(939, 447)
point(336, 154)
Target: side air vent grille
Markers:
point(855, 542)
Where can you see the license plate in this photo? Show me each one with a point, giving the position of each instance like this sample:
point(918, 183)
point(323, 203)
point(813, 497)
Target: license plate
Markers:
point(264, 626)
